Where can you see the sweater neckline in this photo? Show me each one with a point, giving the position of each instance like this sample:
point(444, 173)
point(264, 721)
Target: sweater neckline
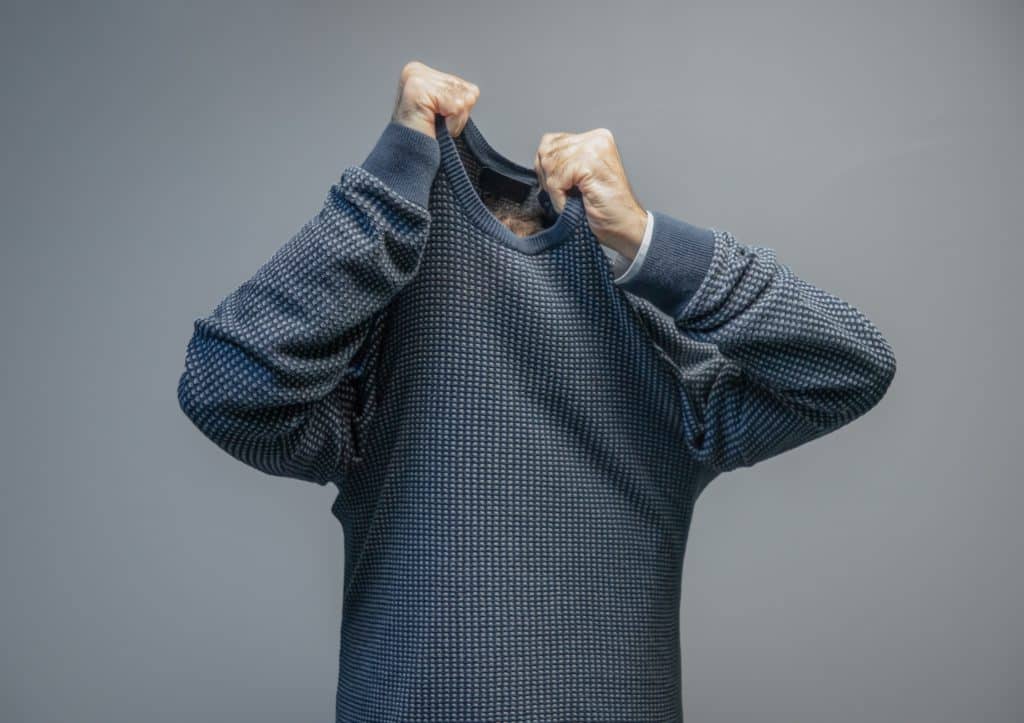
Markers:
point(566, 222)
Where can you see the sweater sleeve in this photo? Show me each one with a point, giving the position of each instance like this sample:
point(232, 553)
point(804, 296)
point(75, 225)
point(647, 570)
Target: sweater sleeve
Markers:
point(622, 267)
point(268, 374)
point(792, 362)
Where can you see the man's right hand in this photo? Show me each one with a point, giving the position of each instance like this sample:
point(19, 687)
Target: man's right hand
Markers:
point(424, 92)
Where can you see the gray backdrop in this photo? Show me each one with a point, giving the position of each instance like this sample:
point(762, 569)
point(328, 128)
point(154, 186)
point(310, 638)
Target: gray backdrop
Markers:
point(154, 157)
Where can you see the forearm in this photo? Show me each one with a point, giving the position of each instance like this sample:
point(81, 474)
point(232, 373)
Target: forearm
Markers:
point(795, 362)
point(264, 371)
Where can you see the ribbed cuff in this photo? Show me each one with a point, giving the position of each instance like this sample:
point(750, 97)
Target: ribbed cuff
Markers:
point(677, 260)
point(406, 160)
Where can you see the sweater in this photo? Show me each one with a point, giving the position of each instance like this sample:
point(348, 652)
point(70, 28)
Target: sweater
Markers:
point(517, 442)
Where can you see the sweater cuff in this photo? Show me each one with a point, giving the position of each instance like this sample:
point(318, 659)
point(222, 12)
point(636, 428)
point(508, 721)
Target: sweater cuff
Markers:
point(676, 263)
point(406, 160)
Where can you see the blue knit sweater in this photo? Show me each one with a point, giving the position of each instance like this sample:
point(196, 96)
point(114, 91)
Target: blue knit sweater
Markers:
point(517, 441)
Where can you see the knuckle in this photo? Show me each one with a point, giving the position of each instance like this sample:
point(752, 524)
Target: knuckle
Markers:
point(415, 83)
point(410, 68)
point(446, 90)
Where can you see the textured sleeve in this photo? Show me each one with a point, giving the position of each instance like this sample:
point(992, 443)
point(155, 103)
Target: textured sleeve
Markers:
point(268, 373)
point(793, 362)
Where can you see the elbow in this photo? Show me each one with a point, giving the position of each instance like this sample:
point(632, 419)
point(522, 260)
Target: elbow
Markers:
point(853, 395)
point(887, 375)
point(186, 397)
point(190, 399)
point(875, 383)
point(207, 412)
point(198, 401)
point(189, 392)
point(884, 373)
point(203, 394)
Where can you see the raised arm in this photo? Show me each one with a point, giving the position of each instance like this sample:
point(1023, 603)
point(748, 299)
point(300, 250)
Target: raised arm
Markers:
point(793, 361)
point(783, 362)
point(268, 374)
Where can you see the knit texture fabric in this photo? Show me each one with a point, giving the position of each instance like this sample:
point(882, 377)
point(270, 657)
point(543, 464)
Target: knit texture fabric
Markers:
point(516, 441)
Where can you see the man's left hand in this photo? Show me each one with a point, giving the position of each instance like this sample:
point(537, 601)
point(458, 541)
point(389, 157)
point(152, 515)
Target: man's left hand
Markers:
point(591, 162)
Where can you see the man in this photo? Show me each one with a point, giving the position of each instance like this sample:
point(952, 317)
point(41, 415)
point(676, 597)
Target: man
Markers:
point(518, 435)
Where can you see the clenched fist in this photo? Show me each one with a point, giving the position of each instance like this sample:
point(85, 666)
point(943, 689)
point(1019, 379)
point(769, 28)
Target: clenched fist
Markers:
point(424, 92)
point(591, 162)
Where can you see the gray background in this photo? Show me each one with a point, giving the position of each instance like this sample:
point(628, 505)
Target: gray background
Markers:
point(154, 157)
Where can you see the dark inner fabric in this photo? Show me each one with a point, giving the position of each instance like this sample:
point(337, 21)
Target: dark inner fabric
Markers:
point(524, 217)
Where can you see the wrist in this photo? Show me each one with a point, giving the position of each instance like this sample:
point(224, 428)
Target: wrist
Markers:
point(628, 235)
point(415, 121)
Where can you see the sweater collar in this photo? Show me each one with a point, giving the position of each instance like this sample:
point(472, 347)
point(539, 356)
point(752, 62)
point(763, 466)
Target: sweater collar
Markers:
point(572, 216)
